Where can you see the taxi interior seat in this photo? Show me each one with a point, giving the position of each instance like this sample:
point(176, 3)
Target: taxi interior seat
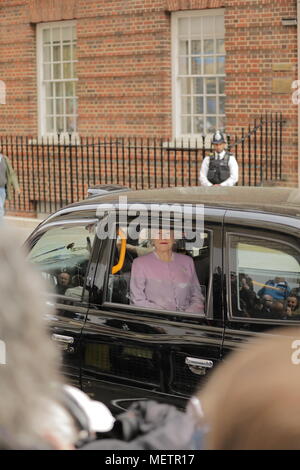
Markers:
point(119, 288)
point(202, 267)
point(201, 263)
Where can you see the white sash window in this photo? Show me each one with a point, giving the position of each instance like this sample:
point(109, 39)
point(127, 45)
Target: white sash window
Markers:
point(198, 72)
point(57, 77)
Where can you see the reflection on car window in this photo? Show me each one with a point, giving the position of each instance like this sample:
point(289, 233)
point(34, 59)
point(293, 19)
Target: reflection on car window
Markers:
point(164, 273)
point(61, 255)
point(265, 279)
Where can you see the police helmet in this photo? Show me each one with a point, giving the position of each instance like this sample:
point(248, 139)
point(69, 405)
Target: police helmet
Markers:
point(218, 138)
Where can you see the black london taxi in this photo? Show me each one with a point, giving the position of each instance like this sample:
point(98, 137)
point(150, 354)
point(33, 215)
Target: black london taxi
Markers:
point(245, 247)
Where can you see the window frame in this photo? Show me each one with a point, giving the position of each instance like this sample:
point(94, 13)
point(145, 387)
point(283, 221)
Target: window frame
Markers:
point(41, 88)
point(230, 315)
point(54, 225)
point(144, 310)
point(176, 96)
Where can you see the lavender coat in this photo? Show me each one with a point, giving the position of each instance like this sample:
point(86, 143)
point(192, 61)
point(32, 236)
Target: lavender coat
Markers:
point(166, 285)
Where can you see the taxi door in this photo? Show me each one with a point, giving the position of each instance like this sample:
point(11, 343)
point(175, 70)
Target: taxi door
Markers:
point(132, 353)
point(61, 253)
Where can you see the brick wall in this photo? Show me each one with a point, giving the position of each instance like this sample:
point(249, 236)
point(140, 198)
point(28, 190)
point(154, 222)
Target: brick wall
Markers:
point(124, 69)
point(256, 42)
point(17, 69)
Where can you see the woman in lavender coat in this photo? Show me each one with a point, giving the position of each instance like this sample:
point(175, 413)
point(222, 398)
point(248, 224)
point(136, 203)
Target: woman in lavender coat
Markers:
point(165, 279)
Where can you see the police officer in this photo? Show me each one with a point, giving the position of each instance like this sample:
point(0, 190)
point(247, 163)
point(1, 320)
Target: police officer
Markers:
point(220, 168)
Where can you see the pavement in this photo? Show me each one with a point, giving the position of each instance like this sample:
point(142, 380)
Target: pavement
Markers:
point(23, 225)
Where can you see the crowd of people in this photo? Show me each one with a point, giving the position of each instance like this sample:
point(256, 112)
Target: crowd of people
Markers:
point(274, 300)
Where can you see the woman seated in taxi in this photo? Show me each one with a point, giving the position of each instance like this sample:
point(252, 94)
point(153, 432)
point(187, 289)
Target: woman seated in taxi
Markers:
point(165, 279)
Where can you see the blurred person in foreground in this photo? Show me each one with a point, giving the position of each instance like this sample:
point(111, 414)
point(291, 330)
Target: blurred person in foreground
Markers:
point(30, 414)
point(251, 401)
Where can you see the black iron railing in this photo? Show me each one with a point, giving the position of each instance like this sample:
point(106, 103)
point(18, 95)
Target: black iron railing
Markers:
point(259, 150)
point(52, 174)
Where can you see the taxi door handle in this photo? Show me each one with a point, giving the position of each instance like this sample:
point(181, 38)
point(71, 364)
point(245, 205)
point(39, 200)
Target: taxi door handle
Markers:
point(198, 366)
point(64, 342)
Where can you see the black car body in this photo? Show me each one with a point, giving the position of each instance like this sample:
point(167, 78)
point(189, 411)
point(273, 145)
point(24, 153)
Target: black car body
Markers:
point(101, 189)
point(117, 352)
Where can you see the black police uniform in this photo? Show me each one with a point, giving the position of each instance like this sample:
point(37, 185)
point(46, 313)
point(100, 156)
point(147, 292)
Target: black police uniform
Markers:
point(218, 170)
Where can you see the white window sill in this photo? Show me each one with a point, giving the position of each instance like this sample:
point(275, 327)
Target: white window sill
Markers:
point(55, 139)
point(189, 142)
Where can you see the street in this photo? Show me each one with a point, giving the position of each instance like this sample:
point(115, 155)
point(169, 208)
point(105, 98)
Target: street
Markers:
point(23, 225)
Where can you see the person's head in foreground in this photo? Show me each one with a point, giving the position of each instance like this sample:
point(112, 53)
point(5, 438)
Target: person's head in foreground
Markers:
point(251, 401)
point(28, 360)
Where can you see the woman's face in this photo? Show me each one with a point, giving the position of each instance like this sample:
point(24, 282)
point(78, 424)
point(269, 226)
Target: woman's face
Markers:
point(163, 241)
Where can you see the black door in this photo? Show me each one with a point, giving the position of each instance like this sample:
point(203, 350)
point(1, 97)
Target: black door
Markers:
point(131, 352)
point(194, 344)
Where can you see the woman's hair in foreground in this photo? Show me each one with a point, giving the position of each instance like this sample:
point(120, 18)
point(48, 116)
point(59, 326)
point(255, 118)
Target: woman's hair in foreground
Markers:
point(30, 359)
point(252, 400)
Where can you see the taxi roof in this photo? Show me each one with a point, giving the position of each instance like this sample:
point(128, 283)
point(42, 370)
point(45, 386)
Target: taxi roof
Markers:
point(279, 201)
point(273, 200)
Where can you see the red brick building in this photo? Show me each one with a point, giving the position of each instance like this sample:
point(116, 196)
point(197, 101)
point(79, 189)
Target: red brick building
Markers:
point(167, 68)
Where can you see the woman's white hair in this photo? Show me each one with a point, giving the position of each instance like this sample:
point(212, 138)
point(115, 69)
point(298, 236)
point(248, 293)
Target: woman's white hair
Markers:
point(29, 361)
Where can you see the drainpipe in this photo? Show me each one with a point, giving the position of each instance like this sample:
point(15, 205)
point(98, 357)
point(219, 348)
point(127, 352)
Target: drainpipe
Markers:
point(298, 72)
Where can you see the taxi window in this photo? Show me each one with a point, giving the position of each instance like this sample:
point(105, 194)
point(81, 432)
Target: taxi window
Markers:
point(61, 255)
point(145, 280)
point(265, 279)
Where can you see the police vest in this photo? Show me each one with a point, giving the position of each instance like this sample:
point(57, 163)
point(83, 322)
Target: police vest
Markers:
point(218, 170)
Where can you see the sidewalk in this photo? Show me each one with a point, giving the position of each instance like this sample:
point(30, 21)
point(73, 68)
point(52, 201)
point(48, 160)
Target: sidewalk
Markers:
point(24, 226)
